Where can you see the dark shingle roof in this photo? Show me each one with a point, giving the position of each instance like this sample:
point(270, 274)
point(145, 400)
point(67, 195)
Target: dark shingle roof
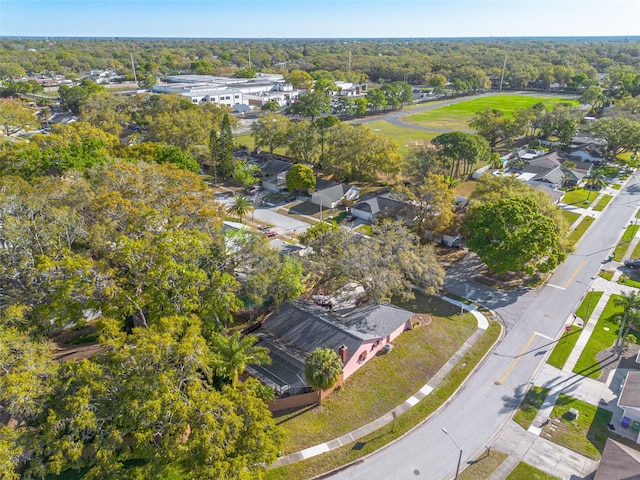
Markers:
point(618, 462)
point(630, 395)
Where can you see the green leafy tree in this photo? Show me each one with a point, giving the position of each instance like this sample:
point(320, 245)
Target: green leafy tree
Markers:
point(221, 150)
point(511, 234)
point(232, 353)
point(240, 206)
point(245, 73)
point(311, 104)
point(358, 153)
point(630, 303)
point(323, 124)
point(270, 131)
point(245, 173)
point(620, 134)
point(16, 116)
point(303, 141)
point(462, 149)
point(493, 125)
point(376, 99)
point(322, 368)
point(299, 79)
point(300, 177)
point(178, 157)
point(270, 106)
point(389, 263)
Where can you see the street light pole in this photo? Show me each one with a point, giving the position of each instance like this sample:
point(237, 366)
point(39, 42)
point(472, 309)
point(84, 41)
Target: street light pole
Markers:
point(458, 447)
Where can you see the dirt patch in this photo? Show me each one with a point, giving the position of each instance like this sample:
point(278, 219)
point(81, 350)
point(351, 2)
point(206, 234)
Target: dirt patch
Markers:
point(449, 255)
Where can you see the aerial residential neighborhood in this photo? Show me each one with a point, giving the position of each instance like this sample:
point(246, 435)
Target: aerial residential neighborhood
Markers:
point(371, 240)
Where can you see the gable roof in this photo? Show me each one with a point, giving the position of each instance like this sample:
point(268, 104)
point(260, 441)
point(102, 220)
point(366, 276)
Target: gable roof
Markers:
point(274, 167)
point(378, 204)
point(630, 395)
point(618, 461)
point(331, 191)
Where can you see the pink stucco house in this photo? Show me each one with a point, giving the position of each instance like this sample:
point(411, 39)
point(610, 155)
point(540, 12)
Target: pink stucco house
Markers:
point(300, 327)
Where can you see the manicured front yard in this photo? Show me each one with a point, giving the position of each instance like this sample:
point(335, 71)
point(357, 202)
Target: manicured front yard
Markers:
point(602, 338)
point(586, 434)
point(588, 305)
point(529, 407)
point(384, 382)
point(524, 471)
point(579, 197)
point(370, 443)
point(570, 216)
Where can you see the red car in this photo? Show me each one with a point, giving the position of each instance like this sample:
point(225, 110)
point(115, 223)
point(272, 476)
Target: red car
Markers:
point(271, 234)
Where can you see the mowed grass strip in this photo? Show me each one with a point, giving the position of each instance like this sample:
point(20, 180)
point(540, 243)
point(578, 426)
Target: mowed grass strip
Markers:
point(483, 466)
point(456, 116)
point(603, 202)
point(564, 346)
point(602, 338)
point(382, 383)
point(586, 434)
point(579, 197)
point(623, 245)
point(530, 405)
point(372, 442)
point(577, 233)
point(525, 471)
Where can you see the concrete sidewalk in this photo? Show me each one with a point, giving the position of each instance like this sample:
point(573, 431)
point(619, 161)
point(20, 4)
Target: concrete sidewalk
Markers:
point(387, 418)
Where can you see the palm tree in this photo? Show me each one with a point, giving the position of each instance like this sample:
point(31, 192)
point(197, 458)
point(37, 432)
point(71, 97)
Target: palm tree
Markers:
point(241, 206)
point(630, 303)
point(595, 179)
point(322, 367)
point(231, 354)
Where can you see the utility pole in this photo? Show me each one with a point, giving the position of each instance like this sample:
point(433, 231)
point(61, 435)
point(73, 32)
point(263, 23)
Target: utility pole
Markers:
point(133, 65)
point(504, 66)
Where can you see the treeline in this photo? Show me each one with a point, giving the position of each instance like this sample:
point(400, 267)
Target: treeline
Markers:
point(568, 61)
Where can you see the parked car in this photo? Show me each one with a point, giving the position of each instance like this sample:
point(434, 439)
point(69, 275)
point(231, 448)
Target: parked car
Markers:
point(253, 189)
point(291, 198)
point(263, 228)
point(350, 218)
point(271, 234)
point(632, 263)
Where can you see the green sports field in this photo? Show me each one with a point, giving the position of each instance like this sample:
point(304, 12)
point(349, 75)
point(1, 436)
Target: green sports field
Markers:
point(456, 116)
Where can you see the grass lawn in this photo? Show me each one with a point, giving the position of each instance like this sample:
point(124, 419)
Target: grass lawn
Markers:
point(529, 407)
point(570, 216)
point(246, 140)
point(579, 197)
point(588, 305)
point(564, 346)
point(348, 453)
point(636, 252)
point(603, 337)
point(466, 188)
point(576, 233)
point(604, 201)
point(417, 356)
point(525, 471)
point(586, 434)
point(616, 186)
point(483, 466)
point(606, 274)
point(456, 116)
point(631, 279)
point(623, 245)
point(406, 138)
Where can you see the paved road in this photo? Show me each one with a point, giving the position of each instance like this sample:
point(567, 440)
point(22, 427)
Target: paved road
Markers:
point(532, 319)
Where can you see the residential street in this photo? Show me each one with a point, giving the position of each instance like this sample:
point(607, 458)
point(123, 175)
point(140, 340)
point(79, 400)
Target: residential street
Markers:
point(480, 411)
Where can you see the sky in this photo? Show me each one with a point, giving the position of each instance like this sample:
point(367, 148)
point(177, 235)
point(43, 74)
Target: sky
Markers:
point(319, 18)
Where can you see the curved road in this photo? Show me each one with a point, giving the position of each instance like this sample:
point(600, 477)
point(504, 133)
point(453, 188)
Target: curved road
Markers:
point(532, 319)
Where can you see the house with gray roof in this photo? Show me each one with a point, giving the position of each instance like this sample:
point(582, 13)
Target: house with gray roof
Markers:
point(629, 401)
point(372, 206)
point(330, 194)
point(300, 327)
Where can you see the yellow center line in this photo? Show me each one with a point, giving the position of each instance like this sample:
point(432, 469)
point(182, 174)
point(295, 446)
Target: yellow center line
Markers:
point(576, 271)
point(516, 360)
